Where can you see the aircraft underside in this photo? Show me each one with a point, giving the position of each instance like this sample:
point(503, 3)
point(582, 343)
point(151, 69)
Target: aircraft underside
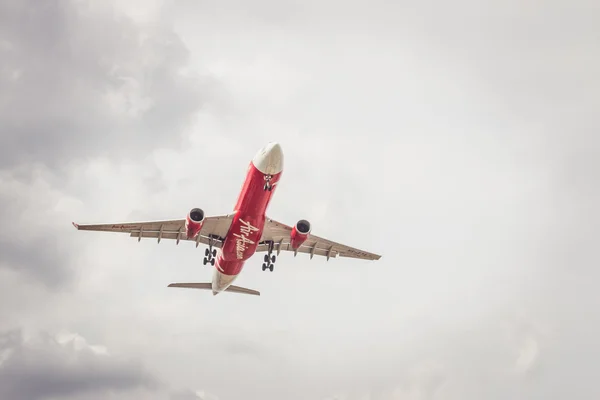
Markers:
point(234, 238)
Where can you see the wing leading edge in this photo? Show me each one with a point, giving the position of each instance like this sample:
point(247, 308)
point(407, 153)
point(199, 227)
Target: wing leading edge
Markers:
point(214, 228)
point(279, 234)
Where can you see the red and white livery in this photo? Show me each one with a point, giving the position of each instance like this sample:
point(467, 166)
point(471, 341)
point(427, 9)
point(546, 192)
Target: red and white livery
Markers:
point(233, 238)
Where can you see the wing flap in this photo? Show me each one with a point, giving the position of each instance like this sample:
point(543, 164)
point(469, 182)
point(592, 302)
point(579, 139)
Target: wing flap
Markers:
point(280, 235)
point(216, 227)
point(126, 227)
point(177, 236)
point(317, 250)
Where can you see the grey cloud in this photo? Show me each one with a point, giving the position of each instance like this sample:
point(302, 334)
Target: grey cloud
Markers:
point(184, 395)
point(48, 369)
point(28, 244)
point(192, 395)
point(459, 140)
point(78, 81)
point(47, 264)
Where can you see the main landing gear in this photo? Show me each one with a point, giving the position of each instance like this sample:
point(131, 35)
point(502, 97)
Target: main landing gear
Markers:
point(268, 185)
point(269, 259)
point(210, 253)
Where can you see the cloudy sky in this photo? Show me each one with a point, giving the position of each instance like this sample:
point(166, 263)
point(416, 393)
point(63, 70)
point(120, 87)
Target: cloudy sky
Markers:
point(458, 139)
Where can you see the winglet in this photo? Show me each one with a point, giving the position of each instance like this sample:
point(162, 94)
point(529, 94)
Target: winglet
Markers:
point(75, 225)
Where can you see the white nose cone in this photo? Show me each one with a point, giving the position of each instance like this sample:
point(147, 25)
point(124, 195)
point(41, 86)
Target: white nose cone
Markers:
point(269, 159)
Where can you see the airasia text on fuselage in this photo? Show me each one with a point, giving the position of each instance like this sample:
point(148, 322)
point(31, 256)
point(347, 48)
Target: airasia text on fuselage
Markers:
point(242, 238)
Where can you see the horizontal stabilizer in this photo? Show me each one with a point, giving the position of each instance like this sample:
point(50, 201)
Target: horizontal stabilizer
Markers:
point(208, 286)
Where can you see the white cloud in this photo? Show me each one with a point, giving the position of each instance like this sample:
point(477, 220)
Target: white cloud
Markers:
point(528, 354)
point(79, 343)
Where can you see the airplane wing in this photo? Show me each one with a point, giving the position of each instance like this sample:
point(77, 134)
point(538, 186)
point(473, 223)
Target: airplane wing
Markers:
point(280, 235)
point(215, 228)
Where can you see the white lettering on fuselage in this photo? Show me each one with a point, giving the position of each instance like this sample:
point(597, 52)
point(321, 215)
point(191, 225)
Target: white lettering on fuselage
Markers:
point(242, 238)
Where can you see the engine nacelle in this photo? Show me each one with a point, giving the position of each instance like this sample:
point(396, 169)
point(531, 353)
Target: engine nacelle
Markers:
point(194, 222)
point(300, 233)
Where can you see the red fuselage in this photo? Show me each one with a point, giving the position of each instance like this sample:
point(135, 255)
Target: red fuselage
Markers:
point(248, 222)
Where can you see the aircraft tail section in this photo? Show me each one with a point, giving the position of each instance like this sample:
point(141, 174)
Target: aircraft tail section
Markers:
point(208, 286)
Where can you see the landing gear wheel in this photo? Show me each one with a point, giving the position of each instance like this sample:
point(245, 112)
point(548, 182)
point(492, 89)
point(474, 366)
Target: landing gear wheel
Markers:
point(210, 253)
point(269, 257)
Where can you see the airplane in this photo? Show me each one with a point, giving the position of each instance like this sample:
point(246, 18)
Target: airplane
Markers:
point(240, 234)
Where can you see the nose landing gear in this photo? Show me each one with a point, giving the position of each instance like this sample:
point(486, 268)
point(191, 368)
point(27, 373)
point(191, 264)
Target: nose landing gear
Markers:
point(268, 185)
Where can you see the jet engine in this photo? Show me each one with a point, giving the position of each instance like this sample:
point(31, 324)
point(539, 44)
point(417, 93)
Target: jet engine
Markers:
point(300, 233)
point(194, 222)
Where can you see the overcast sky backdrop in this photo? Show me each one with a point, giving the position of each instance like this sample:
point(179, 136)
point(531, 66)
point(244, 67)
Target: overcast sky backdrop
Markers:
point(458, 139)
